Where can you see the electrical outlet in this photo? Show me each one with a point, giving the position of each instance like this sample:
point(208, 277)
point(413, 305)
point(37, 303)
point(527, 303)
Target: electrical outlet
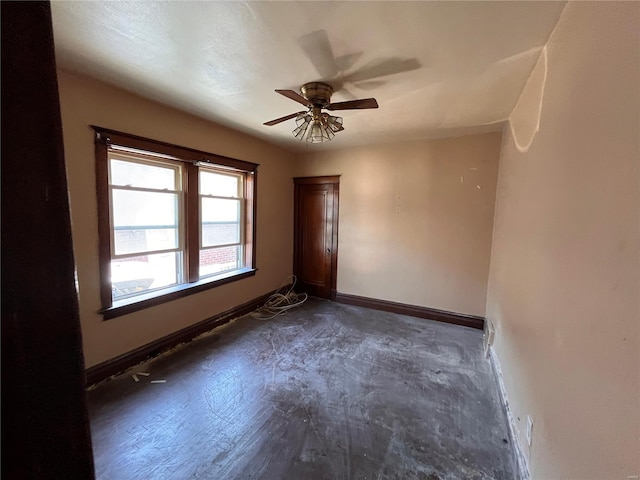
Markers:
point(529, 429)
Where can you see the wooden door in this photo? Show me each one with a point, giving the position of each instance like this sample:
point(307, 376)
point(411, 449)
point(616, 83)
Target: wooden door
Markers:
point(316, 235)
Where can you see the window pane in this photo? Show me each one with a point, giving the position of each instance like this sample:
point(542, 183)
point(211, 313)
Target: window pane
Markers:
point(218, 184)
point(132, 240)
point(132, 208)
point(217, 260)
point(139, 274)
point(144, 221)
point(220, 221)
point(220, 233)
point(142, 175)
point(220, 210)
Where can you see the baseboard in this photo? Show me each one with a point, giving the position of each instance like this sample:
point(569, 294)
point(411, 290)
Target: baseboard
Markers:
point(116, 365)
point(520, 457)
point(412, 310)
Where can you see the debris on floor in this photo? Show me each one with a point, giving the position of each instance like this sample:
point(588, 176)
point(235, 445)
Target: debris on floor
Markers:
point(280, 302)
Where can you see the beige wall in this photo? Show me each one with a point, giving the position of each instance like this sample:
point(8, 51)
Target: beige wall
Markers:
point(410, 230)
point(85, 102)
point(564, 283)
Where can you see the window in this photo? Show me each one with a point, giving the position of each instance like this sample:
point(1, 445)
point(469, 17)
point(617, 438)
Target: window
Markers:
point(172, 221)
point(221, 226)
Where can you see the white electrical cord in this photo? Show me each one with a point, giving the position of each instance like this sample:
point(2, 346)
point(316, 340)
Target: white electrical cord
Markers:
point(279, 303)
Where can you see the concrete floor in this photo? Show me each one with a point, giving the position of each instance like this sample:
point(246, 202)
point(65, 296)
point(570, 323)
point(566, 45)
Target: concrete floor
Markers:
point(328, 391)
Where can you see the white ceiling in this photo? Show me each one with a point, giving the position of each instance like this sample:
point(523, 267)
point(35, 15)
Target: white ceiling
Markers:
point(436, 68)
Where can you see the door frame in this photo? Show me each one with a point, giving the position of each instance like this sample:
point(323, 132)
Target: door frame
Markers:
point(298, 182)
point(45, 422)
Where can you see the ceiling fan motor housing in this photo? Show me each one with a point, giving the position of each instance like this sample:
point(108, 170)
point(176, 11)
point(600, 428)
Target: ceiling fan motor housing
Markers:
point(318, 93)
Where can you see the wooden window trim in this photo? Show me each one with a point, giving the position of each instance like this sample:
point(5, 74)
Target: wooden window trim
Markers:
point(106, 138)
point(169, 294)
point(174, 152)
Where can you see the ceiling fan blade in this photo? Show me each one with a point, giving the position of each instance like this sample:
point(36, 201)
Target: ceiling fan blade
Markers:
point(282, 119)
point(345, 62)
point(317, 47)
point(296, 97)
point(354, 104)
point(370, 84)
point(346, 94)
point(382, 68)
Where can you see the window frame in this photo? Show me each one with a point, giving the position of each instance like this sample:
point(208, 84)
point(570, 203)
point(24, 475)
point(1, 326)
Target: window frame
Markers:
point(107, 140)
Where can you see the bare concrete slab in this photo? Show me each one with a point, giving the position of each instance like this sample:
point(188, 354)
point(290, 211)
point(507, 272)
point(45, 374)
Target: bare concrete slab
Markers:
point(328, 391)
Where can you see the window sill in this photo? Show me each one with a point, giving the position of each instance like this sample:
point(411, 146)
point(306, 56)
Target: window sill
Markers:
point(140, 302)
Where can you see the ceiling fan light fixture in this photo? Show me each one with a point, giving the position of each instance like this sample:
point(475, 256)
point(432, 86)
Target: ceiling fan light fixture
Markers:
point(314, 125)
point(303, 118)
point(329, 133)
point(334, 123)
point(299, 132)
point(316, 133)
point(318, 130)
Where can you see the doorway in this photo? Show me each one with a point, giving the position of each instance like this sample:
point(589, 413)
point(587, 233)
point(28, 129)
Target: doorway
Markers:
point(315, 243)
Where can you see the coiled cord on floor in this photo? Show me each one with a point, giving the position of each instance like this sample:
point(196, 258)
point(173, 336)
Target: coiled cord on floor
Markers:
point(280, 302)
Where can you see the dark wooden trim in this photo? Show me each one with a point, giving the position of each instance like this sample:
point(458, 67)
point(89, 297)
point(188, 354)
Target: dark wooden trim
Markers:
point(45, 424)
point(177, 152)
point(172, 293)
point(316, 180)
point(251, 195)
point(192, 227)
point(412, 310)
point(296, 230)
point(297, 220)
point(334, 239)
point(104, 223)
point(185, 157)
point(121, 363)
point(299, 183)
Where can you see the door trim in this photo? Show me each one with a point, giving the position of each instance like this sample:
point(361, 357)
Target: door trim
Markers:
point(335, 180)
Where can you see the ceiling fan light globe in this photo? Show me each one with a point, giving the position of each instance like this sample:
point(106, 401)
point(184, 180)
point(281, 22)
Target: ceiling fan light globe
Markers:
point(335, 124)
point(315, 133)
point(300, 131)
point(303, 118)
point(329, 133)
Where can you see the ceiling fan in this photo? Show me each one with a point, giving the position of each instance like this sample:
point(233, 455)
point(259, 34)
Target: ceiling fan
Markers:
point(313, 124)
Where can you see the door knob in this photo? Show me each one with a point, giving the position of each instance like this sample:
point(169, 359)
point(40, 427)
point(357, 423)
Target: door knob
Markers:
point(328, 250)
